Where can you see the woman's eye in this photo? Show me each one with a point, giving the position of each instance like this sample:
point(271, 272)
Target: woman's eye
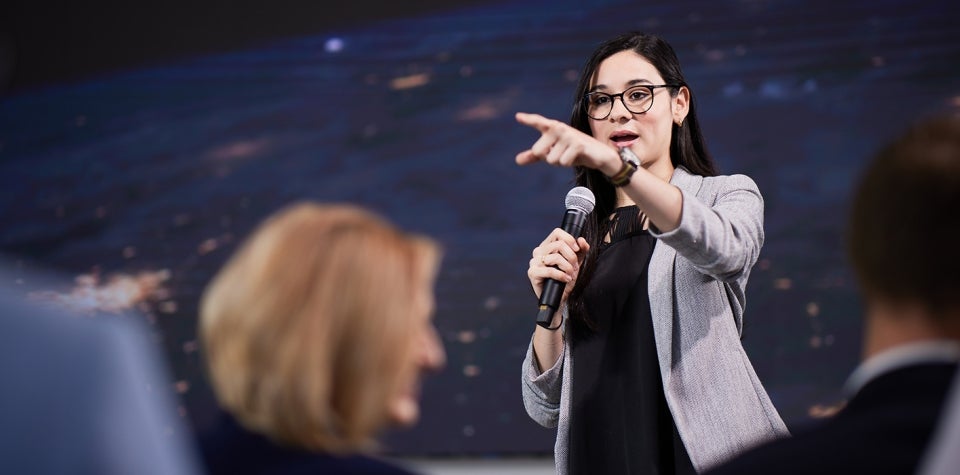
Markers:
point(599, 100)
point(637, 96)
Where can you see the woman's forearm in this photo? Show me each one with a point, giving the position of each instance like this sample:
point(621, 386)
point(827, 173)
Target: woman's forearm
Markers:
point(548, 344)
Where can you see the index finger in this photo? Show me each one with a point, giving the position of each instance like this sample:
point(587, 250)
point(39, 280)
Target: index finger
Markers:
point(536, 121)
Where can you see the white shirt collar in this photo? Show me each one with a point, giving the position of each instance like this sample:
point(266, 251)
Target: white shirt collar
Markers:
point(934, 351)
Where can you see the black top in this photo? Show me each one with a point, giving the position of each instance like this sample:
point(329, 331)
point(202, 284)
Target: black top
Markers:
point(231, 449)
point(885, 429)
point(619, 419)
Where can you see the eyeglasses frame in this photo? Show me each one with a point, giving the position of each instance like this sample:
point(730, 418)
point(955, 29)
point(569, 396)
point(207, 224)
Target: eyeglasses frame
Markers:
point(652, 88)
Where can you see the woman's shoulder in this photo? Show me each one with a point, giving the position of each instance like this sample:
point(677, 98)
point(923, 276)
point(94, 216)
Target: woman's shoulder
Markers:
point(718, 184)
point(282, 461)
point(229, 448)
point(732, 182)
point(357, 465)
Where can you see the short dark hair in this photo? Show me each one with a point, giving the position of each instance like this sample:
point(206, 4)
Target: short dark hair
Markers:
point(904, 234)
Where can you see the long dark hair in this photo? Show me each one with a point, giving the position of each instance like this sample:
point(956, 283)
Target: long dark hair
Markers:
point(687, 147)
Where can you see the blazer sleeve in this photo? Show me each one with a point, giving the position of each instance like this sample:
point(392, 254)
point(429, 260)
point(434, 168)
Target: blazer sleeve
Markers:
point(721, 239)
point(541, 390)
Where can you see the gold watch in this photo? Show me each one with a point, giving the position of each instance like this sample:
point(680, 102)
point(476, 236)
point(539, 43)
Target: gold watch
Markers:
point(630, 165)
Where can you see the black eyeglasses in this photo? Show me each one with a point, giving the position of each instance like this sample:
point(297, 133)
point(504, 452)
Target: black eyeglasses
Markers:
point(637, 99)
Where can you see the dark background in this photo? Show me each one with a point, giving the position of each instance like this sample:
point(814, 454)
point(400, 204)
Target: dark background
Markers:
point(139, 143)
point(56, 41)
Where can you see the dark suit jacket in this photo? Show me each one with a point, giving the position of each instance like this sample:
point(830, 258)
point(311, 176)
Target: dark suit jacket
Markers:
point(884, 429)
point(943, 454)
point(230, 449)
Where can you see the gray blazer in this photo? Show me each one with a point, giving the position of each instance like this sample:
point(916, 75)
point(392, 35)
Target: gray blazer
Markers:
point(697, 276)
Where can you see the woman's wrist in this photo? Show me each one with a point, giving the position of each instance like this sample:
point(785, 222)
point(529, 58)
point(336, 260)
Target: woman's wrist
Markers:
point(629, 163)
point(611, 165)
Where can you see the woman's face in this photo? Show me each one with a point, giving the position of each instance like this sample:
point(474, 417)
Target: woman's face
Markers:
point(425, 354)
point(648, 133)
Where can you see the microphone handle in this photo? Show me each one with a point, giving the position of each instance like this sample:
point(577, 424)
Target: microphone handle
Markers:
point(552, 292)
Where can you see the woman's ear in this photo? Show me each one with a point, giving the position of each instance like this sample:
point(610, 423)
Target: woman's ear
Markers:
point(680, 104)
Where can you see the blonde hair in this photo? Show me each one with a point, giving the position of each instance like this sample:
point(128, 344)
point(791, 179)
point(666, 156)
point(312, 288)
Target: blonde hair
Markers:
point(305, 327)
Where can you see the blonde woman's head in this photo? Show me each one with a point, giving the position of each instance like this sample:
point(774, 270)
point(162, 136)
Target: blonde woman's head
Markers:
point(317, 331)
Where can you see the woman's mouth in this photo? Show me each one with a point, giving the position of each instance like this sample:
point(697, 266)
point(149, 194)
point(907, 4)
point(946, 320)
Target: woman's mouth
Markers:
point(624, 139)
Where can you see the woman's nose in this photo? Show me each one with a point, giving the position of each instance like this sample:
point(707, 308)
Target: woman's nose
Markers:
point(432, 354)
point(618, 110)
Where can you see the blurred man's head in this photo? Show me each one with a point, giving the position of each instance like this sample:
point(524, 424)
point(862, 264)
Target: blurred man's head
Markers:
point(904, 236)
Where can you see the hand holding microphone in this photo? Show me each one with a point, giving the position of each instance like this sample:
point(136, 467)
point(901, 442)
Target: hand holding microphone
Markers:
point(556, 255)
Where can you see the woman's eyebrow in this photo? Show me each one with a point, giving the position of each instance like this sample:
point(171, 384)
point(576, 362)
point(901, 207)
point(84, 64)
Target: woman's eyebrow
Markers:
point(632, 82)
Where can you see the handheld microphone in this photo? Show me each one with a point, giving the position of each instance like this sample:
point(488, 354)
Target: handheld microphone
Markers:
point(579, 203)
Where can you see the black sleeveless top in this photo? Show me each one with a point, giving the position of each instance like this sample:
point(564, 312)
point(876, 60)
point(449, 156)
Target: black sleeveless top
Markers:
point(619, 419)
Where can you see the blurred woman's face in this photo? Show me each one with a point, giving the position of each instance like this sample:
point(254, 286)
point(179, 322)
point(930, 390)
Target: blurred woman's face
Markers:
point(425, 355)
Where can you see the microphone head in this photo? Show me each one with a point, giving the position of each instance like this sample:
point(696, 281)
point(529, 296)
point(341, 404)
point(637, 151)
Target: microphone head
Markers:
point(580, 198)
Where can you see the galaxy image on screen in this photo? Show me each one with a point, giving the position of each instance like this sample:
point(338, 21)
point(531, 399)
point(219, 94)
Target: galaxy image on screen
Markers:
point(134, 159)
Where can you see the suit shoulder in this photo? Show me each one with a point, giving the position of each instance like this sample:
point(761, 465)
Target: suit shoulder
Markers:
point(731, 182)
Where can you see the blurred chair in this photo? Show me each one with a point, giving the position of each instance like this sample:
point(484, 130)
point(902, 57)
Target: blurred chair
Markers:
point(84, 395)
